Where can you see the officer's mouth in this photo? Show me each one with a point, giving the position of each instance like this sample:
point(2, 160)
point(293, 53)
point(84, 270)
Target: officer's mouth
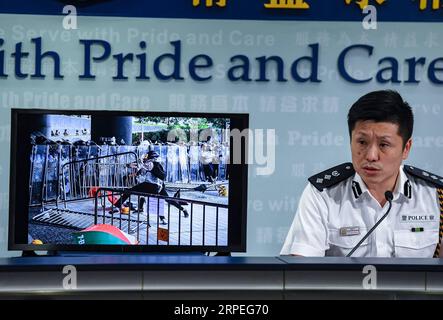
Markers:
point(371, 171)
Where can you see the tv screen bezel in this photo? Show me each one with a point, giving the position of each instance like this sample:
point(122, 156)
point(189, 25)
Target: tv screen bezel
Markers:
point(237, 226)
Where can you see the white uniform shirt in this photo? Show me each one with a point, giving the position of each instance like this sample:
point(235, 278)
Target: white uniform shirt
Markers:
point(333, 221)
point(144, 174)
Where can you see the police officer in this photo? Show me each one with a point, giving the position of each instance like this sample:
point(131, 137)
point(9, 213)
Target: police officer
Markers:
point(150, 179)
point(150, 176)
point(340, 205)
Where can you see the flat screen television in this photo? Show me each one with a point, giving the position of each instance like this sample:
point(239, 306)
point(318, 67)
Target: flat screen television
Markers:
point(127, 181)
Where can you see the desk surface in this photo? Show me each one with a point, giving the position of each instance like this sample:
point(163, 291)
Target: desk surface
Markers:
point(175, 276)
point(141, 262)
point(192, 262)
point(382, 264)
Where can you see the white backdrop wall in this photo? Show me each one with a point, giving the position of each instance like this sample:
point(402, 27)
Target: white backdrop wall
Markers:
point(309, 118)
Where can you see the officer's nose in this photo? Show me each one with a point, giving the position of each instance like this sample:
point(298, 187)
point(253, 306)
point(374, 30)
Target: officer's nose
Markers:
point(372, 153)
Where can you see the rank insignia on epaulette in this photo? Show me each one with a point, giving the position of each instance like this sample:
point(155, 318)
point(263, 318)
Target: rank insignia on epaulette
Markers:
point(432, 178)
point(332, 176)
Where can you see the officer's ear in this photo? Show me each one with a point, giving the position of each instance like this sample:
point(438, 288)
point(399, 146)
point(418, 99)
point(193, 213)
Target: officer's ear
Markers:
point(407, 148)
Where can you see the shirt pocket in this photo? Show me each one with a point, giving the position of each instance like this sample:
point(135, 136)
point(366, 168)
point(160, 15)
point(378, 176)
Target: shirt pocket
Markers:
point(340, 246)
point(410, 244)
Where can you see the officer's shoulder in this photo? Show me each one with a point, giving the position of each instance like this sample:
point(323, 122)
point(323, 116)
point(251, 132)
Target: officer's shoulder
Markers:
point(428, 177)
point(332, 176)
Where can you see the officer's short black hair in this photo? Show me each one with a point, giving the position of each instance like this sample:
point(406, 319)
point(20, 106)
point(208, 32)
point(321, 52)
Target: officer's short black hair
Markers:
point(383, 106)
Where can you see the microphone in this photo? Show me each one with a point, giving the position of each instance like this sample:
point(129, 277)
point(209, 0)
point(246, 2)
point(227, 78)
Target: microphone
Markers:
point(388, 196)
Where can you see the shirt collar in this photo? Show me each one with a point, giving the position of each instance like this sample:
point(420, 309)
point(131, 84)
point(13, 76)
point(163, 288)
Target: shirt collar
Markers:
point(402, 188)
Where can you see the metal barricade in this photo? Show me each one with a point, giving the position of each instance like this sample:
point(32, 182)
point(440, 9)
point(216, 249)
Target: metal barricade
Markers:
point(76, 181)
point(81, 178)
point(53, 165)
point(80, 193)
point(206, 223)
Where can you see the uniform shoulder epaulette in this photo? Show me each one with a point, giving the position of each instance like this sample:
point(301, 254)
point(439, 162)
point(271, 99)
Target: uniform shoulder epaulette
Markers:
point(332, 176)
point(429, 177)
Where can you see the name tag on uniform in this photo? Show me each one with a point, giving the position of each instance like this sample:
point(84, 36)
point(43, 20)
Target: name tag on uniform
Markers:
point(407, 218)
point(349, 231)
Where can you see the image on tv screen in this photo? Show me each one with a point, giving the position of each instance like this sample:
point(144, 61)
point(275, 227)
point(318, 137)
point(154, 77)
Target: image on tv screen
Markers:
point(106, 179)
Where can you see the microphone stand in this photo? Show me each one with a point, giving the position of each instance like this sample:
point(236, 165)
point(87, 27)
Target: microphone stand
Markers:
point(388, 196)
